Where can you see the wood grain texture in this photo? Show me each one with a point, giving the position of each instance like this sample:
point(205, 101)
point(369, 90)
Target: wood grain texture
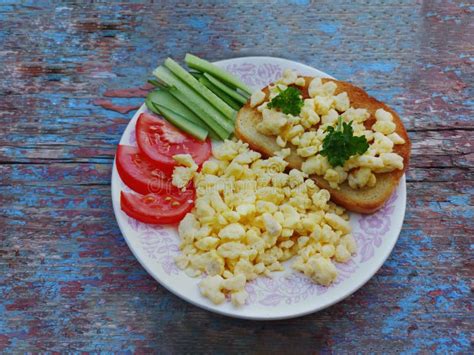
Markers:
point(71, 76)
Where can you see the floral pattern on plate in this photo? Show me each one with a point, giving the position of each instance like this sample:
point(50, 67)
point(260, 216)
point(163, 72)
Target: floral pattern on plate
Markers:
point(255, 75)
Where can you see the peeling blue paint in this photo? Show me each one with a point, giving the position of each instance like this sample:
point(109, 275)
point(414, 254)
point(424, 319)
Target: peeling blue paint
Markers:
point(381, 66)
point(299, 2)
point(328, 27)
point(394, 325)
point(198, 23)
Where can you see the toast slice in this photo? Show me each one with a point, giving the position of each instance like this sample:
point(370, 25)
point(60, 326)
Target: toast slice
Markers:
point(365, 200)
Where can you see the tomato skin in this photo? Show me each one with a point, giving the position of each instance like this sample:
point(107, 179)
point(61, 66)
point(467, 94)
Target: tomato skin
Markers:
point(140, 173)
point(160, 140)
point(157, 208)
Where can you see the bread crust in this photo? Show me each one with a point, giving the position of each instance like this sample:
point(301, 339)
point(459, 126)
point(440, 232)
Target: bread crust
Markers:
point(365, 200)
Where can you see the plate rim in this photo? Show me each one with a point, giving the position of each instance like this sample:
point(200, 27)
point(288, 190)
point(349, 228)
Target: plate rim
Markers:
point(213, 308)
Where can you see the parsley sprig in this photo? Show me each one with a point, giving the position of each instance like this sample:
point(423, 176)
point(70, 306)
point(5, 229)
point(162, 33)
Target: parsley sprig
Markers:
point(289, 101)
point(340, 143)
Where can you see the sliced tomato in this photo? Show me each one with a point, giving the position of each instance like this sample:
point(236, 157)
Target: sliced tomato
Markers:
point(160, 140)
point(158, 208)
point(140, 173)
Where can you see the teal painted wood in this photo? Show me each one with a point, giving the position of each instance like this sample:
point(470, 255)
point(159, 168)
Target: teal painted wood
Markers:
point(72, 76)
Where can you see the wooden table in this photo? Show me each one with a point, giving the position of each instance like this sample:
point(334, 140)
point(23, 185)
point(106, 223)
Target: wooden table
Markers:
point(71, 77)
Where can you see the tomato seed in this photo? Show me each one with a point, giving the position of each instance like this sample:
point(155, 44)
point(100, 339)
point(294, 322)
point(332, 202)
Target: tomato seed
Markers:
point(149, 199)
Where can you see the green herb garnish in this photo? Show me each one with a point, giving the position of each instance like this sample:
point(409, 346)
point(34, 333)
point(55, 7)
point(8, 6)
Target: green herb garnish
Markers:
point(288, 101)
point(340, 143)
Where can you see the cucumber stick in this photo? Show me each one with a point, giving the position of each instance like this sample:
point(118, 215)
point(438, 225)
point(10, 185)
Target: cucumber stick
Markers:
point(183, 124)
point(229, 91)
point(229, 100)
point(197, 74)
point(155, 83)
point(190, 80)
point(203, 65)
point(159, 99)
point(150, 105)
point(181, 98)
point(218, 130)
point(157, 106)
point(177, 120)
point(201, 124)
point(196, 103)
point(164, 98)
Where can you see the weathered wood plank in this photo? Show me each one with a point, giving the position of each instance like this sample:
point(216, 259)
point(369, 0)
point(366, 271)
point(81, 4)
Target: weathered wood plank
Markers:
point(437, 149)
point(71, 77)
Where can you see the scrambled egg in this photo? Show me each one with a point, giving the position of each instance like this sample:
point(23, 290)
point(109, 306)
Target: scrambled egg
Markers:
point(250, 216)
point(182, 175)
point(307, 131)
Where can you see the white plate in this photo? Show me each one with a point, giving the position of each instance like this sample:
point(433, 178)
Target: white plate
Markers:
point(289, 293)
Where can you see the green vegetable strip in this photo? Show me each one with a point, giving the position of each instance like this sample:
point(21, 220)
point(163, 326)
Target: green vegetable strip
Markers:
point(229, 100)
point(163, 98)
point(149, 104)
point(201, 124)
point(183, 124)
point(154, 82)
point(244, 94)
point(212, 98)
point(159, 111)
point(196, 103)
point(218, 130)
point(203, 65)
point(198, 75)
point(229, 91)
point(158, 99)
point(213, 135)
